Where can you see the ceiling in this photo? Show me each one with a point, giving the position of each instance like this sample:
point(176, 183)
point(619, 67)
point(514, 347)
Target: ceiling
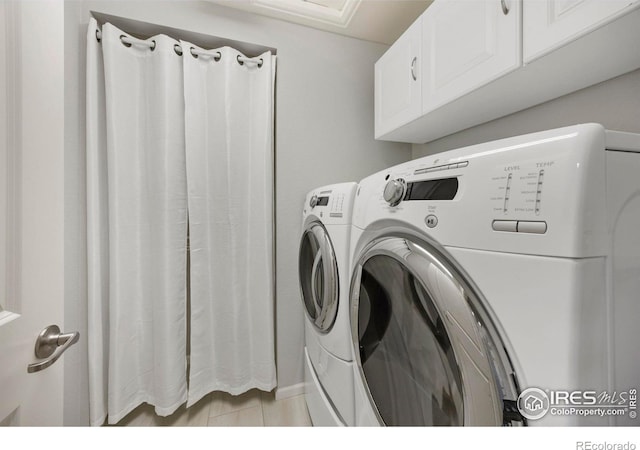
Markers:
point(380, 21)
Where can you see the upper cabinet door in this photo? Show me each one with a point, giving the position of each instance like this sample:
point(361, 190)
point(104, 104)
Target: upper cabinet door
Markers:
point(549, 24)
point(467, 44)
point(397, 82)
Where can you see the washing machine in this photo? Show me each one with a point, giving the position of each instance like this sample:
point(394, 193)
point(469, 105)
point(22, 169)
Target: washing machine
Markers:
point(324, 269)
point(498, 284)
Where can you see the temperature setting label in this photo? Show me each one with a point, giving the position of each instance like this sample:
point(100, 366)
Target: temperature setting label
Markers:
point(539, 192)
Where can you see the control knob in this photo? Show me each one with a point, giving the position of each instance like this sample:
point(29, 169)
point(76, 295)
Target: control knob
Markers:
point(394, 191)
point(314, 201)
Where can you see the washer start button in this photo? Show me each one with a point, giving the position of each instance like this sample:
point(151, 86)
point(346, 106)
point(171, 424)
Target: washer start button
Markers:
point(431, 221)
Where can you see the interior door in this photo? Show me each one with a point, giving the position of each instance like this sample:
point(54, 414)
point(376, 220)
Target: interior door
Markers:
point(31, 206)
point(425, 349)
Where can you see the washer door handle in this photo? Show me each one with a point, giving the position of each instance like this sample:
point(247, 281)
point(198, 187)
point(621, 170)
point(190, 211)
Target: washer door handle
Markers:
point(314, 290)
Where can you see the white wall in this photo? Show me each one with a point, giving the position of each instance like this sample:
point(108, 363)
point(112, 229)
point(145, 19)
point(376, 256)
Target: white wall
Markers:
point(3, 162)
point(614, 103)
point(324, 134)
point(76, 371)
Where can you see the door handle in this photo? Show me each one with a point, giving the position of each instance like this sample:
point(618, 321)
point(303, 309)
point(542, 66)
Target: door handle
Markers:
point(49, 340)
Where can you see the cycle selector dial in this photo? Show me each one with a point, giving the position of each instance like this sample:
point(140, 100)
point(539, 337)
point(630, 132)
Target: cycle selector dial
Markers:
point(394, 191)
point(313, 202)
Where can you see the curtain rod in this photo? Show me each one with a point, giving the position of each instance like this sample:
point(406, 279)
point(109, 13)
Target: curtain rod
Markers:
point(128, 41)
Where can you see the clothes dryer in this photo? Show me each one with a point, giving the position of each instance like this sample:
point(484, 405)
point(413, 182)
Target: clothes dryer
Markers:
point(324, 268)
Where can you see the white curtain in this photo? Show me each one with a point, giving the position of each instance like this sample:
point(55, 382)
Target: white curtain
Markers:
point(176, 142)
point(97, 232)
point(229, 141)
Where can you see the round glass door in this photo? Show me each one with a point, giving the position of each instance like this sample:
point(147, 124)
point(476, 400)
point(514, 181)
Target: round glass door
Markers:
point(318, 271)
point(422, 344)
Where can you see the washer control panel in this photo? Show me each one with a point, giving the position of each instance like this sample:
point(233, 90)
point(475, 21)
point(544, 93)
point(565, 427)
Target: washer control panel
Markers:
point(543, 193)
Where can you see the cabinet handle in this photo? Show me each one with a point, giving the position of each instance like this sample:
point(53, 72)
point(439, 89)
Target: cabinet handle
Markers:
point(505, 8)
point(413, 68)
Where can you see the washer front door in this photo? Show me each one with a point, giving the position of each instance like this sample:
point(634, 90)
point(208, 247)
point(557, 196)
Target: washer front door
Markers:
point(318, 271)
point(424, 350)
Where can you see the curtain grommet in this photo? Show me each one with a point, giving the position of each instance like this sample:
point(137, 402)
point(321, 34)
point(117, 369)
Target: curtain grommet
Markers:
point(153, 46)
point(177, 49)
point(217, 57)
point(193, 54)
point(261, 63)
point(98, 35)
point(239, 60)
point(126, 44)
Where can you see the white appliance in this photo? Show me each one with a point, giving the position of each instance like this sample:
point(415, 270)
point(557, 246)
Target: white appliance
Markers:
point(324, 280)
point(484, 271)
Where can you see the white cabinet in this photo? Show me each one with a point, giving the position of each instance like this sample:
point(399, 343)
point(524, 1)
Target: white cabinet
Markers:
point(465, 45)
point(484, 59)
point(398, 82)
point(550, 24)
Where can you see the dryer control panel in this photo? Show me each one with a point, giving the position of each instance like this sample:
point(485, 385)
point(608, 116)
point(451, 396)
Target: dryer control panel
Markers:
point(331, 204)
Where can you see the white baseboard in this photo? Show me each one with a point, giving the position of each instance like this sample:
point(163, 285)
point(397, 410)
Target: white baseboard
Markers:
point(289, 391)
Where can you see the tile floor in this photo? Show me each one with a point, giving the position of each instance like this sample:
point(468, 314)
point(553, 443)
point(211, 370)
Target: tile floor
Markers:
point(218, 409)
